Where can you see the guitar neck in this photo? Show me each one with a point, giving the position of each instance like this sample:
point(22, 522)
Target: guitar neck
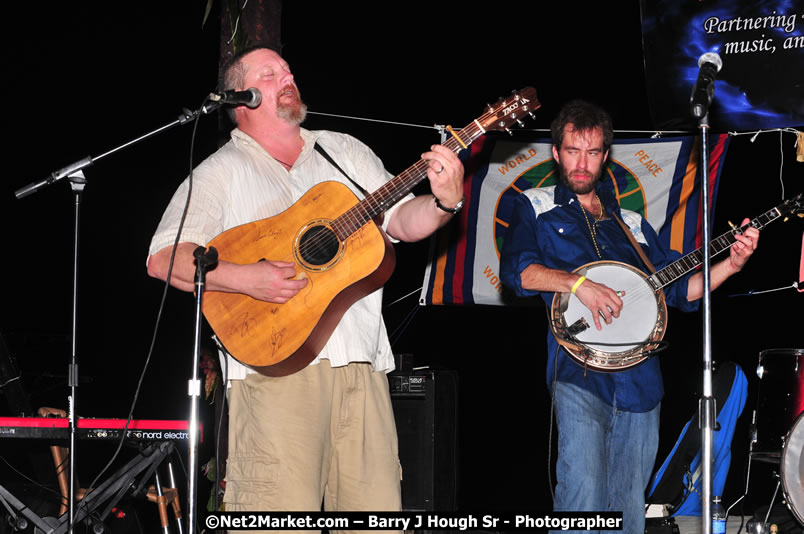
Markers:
point(398, 187)
point(496, 117)
point(677, 269)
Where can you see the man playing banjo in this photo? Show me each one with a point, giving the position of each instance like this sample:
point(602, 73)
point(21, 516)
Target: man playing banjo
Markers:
point(607, 422)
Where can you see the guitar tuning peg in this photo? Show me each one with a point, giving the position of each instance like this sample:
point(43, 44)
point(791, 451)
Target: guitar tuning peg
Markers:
point(509, 132)
point(520, 123)
point(531, 115)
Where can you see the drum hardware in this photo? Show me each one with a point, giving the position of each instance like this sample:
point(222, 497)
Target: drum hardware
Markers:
point(763, 527)
point(780, 400)
point(777, 426)
point(792, 469)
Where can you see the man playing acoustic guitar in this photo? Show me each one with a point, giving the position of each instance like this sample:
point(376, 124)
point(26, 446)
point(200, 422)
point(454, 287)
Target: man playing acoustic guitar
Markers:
point(607, 421)
point(325, 433)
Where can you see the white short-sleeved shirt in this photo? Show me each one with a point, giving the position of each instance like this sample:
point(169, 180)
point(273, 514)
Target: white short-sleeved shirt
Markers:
point(241, 183)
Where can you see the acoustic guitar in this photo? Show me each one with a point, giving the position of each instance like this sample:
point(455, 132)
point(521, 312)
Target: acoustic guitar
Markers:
point(333, 239)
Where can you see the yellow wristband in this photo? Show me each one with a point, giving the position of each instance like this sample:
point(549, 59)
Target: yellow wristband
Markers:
point(578, 283)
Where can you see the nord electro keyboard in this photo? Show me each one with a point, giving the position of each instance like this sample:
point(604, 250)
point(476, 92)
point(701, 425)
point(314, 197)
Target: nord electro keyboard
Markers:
point(90, 428)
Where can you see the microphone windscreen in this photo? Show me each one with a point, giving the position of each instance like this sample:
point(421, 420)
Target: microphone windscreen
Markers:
point(256, 97)
point(711, 57)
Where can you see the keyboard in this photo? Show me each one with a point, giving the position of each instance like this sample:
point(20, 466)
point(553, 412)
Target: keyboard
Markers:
point(92, 428)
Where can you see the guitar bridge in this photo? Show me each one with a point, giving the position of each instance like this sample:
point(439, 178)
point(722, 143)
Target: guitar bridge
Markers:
point(577, 327)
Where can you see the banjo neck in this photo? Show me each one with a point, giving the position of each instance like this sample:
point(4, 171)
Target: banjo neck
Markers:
point(677, 269)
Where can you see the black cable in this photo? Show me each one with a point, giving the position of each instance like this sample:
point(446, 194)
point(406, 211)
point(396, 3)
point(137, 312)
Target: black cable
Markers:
point(29, 479)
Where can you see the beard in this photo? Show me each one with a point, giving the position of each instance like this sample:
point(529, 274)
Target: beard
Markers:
point(578, 189)
point(294, 112)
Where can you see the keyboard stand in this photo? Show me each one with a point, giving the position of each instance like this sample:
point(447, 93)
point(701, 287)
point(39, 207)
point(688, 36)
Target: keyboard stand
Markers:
point(20, 513)
point(132, 477)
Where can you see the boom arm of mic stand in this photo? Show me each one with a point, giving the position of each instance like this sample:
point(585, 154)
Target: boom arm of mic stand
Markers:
point(186, 117)
point(54, 177)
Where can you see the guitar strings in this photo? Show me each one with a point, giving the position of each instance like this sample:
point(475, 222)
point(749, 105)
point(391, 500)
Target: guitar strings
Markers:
point(352, 220)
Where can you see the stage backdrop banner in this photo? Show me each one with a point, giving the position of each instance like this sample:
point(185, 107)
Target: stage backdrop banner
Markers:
point(658, 178)
point(761, 45)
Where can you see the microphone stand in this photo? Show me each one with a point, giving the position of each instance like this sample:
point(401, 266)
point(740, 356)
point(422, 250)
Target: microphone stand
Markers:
point(706, 410)
point(709, 65)
point(77, 184)
point(204, 261)
point(74, 173)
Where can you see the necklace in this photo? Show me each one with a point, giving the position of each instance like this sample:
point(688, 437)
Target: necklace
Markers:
point(592, 228)
point(601, 213)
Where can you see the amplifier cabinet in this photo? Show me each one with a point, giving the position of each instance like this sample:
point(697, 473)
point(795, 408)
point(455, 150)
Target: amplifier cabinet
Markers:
point(425, 404)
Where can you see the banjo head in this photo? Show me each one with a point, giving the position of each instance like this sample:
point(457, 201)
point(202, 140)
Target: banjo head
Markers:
point(624, 342)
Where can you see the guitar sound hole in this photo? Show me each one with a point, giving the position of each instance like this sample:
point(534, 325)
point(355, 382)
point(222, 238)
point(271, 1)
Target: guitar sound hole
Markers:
point(318, 245)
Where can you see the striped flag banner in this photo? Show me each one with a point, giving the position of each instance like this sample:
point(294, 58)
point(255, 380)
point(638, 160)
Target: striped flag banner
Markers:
point(658, 178)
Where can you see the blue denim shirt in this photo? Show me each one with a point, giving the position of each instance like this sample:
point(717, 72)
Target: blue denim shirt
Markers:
point(549, 228)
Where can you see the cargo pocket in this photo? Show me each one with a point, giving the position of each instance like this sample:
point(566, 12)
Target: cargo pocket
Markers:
point(251, 480)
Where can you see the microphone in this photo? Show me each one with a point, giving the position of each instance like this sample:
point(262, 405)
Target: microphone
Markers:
point(250, 97)
point(709, 65)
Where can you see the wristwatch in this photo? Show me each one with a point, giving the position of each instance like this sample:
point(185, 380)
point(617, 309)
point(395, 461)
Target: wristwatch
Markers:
point(454, 210)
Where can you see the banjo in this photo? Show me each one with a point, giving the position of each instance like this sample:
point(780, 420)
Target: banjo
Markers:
point(637, 333)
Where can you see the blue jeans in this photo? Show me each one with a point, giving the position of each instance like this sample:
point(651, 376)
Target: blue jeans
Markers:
point(605, 456)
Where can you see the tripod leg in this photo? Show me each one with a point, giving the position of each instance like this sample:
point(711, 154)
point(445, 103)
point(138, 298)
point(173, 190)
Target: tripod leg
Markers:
point(161, 503)
point(175, 501)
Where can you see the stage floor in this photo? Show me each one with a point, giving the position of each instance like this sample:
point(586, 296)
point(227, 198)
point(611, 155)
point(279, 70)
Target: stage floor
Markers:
point(692, 525)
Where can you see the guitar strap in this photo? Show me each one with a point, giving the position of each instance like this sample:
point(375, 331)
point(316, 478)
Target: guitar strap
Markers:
point(634, 243)
point(327, 157)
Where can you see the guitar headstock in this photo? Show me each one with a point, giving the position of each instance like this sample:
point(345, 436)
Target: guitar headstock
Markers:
point(792, 206)
point(509, 110)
